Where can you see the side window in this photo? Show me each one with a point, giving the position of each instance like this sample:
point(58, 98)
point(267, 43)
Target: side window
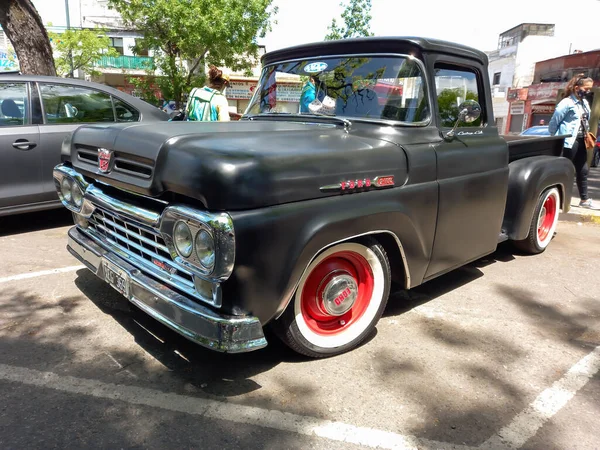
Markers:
point(74, 104)
point(13, 104)
point(124, 112)
point(453, 86)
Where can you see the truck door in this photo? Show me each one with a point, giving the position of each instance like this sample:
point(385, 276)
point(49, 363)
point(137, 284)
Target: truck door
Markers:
point(472, 169)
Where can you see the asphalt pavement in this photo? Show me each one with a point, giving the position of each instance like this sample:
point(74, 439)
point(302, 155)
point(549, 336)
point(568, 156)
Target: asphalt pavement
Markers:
point(502, 353)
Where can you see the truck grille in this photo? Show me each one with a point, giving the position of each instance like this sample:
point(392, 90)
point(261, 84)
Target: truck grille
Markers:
point(143, 245)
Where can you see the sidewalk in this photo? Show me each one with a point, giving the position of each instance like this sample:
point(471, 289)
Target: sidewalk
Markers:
point(577, 214)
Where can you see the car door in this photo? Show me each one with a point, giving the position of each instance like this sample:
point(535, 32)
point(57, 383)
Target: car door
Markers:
point(20, 156)
point(65, 108)
point(472, 169)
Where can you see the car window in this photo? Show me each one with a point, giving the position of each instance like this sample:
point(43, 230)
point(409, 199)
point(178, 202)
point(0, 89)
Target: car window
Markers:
point(13, 101)
point(124, 112)
point(74, 104)
point(453, 86)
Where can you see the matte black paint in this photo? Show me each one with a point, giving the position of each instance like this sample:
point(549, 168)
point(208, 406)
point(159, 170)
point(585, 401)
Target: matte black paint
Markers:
point(447, 208)
point(527, 179)
point(232, 166)
point(274, 245)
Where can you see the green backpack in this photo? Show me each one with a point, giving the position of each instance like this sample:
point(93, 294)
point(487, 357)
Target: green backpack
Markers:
point(199, 106)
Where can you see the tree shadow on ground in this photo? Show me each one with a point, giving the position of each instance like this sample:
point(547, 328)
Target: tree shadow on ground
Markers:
point(402, 301)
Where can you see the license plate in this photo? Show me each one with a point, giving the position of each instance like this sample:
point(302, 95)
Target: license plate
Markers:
point(116, 277)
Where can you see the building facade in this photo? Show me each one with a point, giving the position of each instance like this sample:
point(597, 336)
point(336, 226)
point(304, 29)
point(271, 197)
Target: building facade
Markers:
point(512, 65)
point(536, 102)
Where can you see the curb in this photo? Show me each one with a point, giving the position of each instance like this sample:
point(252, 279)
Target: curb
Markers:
point(579, 217)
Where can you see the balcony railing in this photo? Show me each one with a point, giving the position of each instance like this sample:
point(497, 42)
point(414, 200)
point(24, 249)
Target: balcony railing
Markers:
point(125, 62)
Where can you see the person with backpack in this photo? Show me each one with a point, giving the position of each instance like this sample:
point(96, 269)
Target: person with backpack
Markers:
point(209, 103)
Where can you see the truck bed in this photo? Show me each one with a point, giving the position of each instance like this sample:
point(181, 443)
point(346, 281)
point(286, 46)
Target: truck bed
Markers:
point(520, 147)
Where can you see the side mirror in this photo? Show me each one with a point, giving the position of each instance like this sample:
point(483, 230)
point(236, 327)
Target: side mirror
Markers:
point(468, 111)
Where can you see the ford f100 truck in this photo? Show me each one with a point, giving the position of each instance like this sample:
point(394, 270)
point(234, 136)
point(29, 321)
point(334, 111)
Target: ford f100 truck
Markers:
point(302, 217)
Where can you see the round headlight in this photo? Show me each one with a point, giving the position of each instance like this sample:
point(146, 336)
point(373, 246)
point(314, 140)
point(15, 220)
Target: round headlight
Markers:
point(205, 249)
point(65, 189)
point(182, 237)
point(77, 195)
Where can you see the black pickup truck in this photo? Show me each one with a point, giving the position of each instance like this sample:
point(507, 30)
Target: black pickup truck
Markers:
point(303, 220)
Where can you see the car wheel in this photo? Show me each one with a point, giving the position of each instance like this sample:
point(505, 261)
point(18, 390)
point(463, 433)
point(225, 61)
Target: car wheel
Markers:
point(543, 223)
point(339, 300)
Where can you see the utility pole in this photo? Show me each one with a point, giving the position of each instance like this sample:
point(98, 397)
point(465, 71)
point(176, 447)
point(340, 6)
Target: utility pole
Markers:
point(68, 28)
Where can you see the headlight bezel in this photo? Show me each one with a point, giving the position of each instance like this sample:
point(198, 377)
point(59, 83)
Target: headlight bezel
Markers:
point(65, 174)
point(218, 226)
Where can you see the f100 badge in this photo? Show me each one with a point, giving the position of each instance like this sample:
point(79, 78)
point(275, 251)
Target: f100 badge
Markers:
point(361, 184)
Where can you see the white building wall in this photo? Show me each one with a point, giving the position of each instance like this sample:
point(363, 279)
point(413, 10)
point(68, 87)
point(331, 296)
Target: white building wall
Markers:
point(532, 50)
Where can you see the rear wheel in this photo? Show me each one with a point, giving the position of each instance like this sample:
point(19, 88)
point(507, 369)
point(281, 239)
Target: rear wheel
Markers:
point(339, 300)
point(543, 223)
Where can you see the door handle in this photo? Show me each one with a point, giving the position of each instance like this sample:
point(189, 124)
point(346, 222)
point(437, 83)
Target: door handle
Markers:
point(23, 144)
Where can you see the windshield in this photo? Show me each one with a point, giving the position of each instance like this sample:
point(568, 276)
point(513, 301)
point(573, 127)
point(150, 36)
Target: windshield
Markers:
point(390, 88)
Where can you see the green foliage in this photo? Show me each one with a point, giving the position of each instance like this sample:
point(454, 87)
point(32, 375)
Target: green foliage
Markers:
point(85, 47)
point(357, 21)
point(448, 102)
point(217, 32)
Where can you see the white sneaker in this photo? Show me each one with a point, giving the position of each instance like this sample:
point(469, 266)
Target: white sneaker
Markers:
point(586, 203)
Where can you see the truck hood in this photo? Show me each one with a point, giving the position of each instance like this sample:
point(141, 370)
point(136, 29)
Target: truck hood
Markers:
point(235, 165)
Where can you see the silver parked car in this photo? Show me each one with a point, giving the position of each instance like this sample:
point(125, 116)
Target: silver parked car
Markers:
point(36, 114)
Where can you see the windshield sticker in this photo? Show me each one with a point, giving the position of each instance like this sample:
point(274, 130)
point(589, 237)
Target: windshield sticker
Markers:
point(315, 67)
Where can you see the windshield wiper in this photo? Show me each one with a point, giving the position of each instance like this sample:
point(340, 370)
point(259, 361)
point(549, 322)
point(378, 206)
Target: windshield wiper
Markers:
point(345, 122)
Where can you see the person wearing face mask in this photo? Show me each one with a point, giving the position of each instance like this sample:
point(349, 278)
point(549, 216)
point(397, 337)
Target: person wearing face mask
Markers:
point(209, 102)
point(572, 117)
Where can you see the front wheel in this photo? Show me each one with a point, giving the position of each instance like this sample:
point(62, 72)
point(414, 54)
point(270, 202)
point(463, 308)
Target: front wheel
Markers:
point(339, 300)
point(543, 223)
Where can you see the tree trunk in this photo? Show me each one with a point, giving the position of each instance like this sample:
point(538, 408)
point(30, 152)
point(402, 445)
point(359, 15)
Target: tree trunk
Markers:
point(23, 26)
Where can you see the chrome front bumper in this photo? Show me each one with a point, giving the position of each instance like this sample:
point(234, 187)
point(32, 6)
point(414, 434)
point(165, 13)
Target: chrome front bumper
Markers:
point(198, 323)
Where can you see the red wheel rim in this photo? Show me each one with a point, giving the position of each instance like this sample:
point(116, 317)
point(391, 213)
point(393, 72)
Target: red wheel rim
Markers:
point(348, 263)
point(547, 221)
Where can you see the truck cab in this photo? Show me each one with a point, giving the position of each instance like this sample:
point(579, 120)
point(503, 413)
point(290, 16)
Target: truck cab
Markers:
point(302, 219)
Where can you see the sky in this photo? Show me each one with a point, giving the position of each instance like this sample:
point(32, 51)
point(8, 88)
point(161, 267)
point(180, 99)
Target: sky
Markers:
point(473, 23)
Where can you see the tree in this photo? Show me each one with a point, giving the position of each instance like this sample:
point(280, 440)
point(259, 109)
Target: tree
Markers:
point(357, 21)
point(185, 35)
point(25, 30)
point(80, 49)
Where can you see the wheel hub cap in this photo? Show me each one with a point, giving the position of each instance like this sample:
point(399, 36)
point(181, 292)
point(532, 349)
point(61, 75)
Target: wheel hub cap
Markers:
point(339, 294)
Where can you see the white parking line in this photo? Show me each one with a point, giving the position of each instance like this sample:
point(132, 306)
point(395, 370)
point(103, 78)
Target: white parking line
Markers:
point(278, 420)
point(41, 273)
point(526, 424)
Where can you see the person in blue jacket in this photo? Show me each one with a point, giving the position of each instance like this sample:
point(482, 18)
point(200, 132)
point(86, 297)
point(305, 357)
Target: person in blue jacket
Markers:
point(308, 95)
point(572, 116)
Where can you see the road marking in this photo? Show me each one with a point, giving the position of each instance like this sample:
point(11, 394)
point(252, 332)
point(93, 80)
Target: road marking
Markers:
point(526, 424)
point(278, 420)
point(42, 273)
point(523, 427)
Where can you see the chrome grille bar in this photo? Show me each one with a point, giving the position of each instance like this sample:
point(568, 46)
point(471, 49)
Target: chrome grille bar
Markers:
point(143, 245)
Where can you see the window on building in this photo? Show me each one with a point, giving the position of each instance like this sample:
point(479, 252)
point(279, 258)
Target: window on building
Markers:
point(73, 104)
point(117, 44)
point(453, 86)
point(496, 78)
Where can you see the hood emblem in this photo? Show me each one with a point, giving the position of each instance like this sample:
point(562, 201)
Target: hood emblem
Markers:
point(361, 184)
point(104, 160)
